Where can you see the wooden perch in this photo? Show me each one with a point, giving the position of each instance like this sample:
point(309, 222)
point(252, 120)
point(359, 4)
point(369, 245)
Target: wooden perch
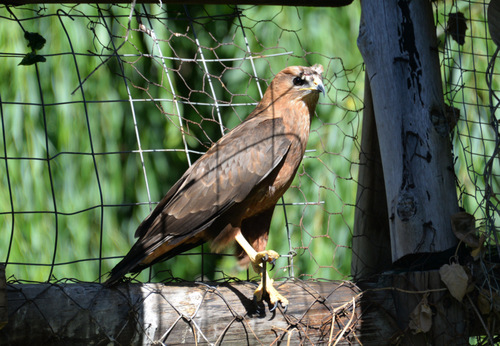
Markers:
point(210, 313)
point(140, 314)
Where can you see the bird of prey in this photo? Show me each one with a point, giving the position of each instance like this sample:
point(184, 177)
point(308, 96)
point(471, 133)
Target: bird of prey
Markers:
point(230, 192)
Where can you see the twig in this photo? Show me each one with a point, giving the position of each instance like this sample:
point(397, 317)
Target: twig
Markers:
point(346, 326)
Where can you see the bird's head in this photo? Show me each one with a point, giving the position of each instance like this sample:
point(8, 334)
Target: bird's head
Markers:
point(298, 83)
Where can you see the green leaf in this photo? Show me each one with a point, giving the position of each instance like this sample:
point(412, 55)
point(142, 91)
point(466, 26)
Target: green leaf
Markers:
point(32, 58)
point(35, 40)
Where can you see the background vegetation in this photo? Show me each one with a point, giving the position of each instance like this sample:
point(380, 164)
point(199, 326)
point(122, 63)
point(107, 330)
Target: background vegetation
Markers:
point(75, 177)
point(72, 182)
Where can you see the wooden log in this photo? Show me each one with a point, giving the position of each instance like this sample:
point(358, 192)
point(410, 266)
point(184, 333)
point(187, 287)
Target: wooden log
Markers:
point(399, 46)
point(139, 314)
point(203, 313)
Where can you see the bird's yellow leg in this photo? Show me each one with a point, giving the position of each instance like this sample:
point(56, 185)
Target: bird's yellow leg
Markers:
point(266, 285)
point(259, 261)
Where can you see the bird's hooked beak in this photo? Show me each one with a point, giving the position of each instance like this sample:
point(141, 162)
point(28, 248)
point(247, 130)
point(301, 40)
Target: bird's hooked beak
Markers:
point(317, 85)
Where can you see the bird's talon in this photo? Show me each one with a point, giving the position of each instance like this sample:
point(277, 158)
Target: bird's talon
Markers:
point(273, 263)
point(284, 307)
point(274, 307)
point(269, 256)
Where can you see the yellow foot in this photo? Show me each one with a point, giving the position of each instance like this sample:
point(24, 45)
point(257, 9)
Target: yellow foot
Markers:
point(269, 256)
point(259, 261)
point(267, 289)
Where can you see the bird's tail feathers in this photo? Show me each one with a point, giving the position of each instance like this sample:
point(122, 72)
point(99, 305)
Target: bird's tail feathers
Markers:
point(126, 265)
point(132, 262)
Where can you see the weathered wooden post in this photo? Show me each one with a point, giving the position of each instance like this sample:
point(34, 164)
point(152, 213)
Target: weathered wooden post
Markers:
point(398, 42)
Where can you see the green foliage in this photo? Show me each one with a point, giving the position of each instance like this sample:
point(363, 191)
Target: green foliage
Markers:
point(75, 175)
point(74, 172)
point(464, 82)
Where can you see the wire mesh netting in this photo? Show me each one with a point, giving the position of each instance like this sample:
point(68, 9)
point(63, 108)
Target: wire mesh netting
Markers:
point(103, 108)
point(126, 99)
point(471, 80)
point(471, 87)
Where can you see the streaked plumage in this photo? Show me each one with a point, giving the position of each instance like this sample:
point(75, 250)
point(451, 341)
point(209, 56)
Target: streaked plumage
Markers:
point(236, 184)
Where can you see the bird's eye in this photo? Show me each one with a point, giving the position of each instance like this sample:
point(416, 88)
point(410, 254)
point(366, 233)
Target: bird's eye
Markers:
point(298, 81)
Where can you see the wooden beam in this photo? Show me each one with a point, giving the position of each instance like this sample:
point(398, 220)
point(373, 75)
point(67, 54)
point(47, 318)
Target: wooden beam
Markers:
point(140, 314)
point(88, 313)
point(312, 3)
point(447, 316)
point(402, 66)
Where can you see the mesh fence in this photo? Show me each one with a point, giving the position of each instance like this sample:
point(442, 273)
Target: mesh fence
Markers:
point(471, 90)
point(126, 99)
point(471, 82)
point(122, 100)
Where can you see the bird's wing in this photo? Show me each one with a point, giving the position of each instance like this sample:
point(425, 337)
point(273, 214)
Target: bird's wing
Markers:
point(220, 179)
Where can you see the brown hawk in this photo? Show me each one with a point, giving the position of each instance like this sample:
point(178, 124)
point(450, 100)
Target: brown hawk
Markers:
point(230, 192)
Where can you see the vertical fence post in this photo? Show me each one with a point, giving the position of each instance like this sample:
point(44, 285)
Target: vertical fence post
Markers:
point(399, 46)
